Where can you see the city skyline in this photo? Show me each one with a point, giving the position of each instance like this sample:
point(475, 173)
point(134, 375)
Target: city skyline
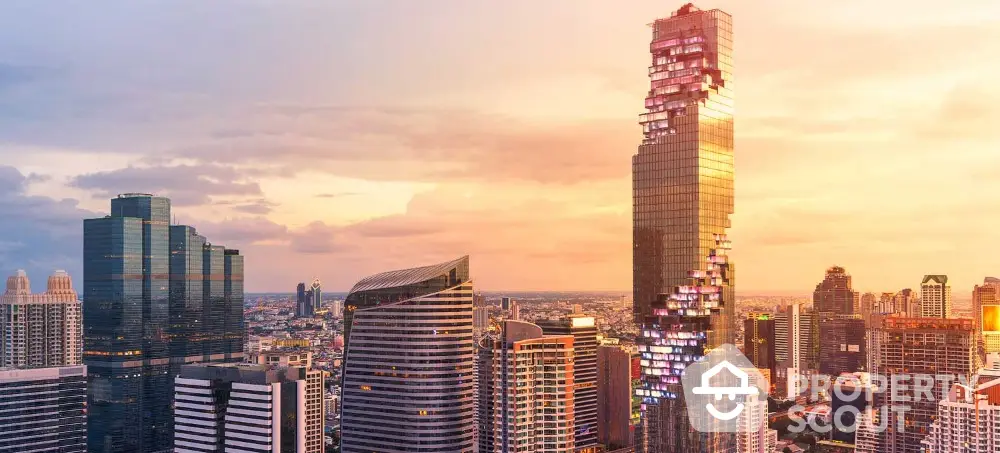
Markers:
point(825, 135)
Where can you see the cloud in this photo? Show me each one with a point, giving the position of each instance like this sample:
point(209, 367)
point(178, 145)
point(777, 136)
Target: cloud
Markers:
point(337, 194)
point(40, 234)
point(185, 185)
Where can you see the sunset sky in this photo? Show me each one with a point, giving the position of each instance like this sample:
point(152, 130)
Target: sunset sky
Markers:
point(341, 138)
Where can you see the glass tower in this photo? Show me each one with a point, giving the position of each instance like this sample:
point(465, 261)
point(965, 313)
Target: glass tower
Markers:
point(409, 382)
point(156, 296)
point(682, 195)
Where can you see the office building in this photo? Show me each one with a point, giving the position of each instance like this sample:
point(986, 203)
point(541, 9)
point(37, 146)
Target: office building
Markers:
point(583, 329)
point(303, 303)
point(244, 408)
point(408, 365)
point(283, 357)
point(759, 344)
point(834, 294)
point(986, 312)
point(337, 309)
point(797, 340)
point(842, 344)
point(156, 296)
point(315, 295)
point(968, 419)
point(40, 330)
point(480, 319)
point(485, 393)
point(534, 391)
point(914, 346)
point(935, 297)
point(682, 181)
point(614, 397)
point(43, 410)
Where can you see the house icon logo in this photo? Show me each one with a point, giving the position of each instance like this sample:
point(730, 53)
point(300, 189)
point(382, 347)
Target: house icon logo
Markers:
point(724, 392)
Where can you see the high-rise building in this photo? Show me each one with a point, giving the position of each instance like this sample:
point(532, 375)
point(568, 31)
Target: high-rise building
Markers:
point(682, 197)
point(156, 296)
point(244, 407)
point(842, 344)
point(409, 360)
point(40, 330)
point(303, 303)
point(43, 410)
point(754, 435)
point(758, 344)
point(315, 388)
point(968, 419)
point(852, 394)
point(800, 348)
point(986, 312)
point(835, 294)
point(480, 319)
point(533, 379)
point(614, 397)
point(908, 347)
point(907, 303)
point(935, 297)
point(485, 393)
point(316, 295)
point(583, 329)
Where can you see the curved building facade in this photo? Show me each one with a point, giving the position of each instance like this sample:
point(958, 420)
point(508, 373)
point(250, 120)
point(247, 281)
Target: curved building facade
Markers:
point(409, 383)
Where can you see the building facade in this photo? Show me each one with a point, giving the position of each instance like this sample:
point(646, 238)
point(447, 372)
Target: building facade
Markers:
point(682, 198)
point(843, 347)
point(43, 410)
point(986, 312)
point(303, 303)
point(835, 294)
point(408, 365)
point(614, 397)
point(244, 407)
point(156, 296)
point(40, 330)
point(534, 391)
point(935, 297)
point(314, 414)
point(759, 345)
point(583, 329)
point(914, 346)
point(968, 419)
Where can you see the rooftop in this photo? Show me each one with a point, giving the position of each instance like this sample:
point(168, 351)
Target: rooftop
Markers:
point(405, 277)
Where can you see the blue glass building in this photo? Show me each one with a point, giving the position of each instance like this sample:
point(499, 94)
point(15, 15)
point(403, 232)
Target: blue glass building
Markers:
point(156, 296)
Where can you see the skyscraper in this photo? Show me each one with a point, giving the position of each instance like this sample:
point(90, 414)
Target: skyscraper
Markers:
point(40, 330)
point(485, 393)
point(907, 347)
point(303, 303)
point(43, 410)
point(244, 407)
point(968, 419)
point(614, 397)
point(408, 365)
point(533, 377)
point(682, 197)
point(800, 348)
point(834, 294)
point(316, 294)
point(156, 296)
point(315, 389)
point(583, 329)
point(935, 297)
point(758, 345)
point(842, 344)
point(986, 312)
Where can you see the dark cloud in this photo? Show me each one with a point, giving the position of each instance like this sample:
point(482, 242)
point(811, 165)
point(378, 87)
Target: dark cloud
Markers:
point(40, 234)
point(183, 184)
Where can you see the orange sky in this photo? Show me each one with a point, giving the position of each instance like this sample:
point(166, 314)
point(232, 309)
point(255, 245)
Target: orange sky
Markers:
point(344, 139)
